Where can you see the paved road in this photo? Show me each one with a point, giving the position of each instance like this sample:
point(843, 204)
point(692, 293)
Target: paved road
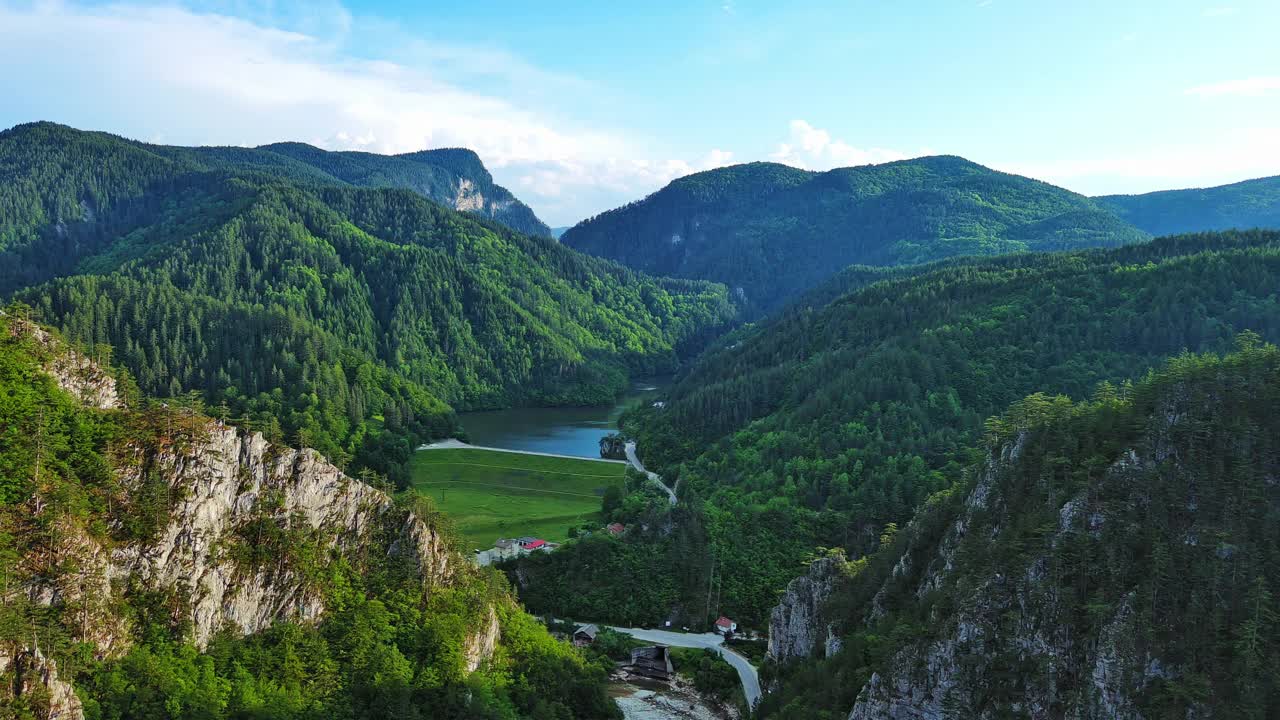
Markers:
point(653, 477)
point(452, 444)
point(746, 671)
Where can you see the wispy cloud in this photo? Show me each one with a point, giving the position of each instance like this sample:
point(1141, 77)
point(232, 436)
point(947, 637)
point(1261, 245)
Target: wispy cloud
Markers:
point(172, 73)
point(1244, 152)
point(1220, 11)
point(1251, 87)
point(814, 149)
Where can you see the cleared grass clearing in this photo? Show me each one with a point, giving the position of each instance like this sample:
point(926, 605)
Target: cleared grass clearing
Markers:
point(491, 494)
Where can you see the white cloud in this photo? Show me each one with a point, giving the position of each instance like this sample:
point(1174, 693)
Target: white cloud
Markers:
point(1243, 153)
point(171, 73)
point(1250, 87)
point(1220, 11)
point(812, 148)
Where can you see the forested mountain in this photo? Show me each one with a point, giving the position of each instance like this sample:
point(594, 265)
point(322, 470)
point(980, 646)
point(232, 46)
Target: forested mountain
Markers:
point(1242, 205)
point(1109, 558)
point(322, 315)
point(771, 231)
point(453, 177)
point(826, 424)
point(158, 565)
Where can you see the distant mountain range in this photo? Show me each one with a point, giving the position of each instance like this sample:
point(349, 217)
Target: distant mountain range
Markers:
point(1248, 204)
point(320, 312)
point(770, 231)
point(453, 177)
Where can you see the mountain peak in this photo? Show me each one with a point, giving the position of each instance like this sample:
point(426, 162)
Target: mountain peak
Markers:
point(772, 230)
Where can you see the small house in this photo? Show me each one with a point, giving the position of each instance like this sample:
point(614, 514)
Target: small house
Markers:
point(652, 662)
point(725, 626)
point(532, 543)
point(585, 635)
point(615, 529)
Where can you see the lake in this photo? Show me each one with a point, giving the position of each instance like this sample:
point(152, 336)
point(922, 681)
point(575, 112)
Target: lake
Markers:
point(558, 430)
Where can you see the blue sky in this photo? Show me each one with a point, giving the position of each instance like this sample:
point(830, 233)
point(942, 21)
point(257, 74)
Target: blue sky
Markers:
point(578, 107)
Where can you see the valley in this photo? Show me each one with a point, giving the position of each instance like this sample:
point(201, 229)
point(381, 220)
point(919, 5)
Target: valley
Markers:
point(291, 433)
point(489, 494)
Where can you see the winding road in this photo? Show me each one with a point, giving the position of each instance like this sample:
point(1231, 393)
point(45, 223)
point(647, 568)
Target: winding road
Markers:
point(746, 671)
point(653, 476)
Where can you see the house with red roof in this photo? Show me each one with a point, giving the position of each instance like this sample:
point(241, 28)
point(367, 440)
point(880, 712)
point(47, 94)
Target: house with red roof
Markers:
point(615, 528)
point(725, 626)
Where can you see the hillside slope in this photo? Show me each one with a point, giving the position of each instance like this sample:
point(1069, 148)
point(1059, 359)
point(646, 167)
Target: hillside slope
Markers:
point(1248, 204)
point(322, 315)
point(771, 231)
point(1112, 558)
point(453, 177)
point(825, 424)
point(170, 566)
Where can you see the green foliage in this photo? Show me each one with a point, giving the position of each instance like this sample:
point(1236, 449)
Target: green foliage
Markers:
point(614, 645)
point(710, 674)
point(824, 424)
point(773, 231)
point(347, 320)
point(1248, 204)
point(492, 494)
point(399, 657)
point(1142, 525)
point(436, 174)
point(391, 643)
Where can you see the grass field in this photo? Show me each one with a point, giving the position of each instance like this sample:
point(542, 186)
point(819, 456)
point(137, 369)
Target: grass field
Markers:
point(492, 494)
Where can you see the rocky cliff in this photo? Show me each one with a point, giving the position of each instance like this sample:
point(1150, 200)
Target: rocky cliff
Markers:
point(1005, 620)
point(1109, 559)
point(797, 626)
point(35, 682)
point(222, 489)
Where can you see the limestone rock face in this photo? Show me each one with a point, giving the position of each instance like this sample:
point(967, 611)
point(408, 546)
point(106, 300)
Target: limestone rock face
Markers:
point(229, 480)
point(220, 481)
point(82, 378)
point(796, 625)
point(26, 673)
point(1010, 619)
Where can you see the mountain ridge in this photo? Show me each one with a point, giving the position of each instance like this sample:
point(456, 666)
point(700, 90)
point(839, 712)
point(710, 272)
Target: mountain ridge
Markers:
point(376, 310)
point(771, 231)
point(455, 177)
point(1240, 205)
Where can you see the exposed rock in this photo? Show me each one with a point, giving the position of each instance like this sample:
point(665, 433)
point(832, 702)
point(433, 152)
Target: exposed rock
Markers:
point(1012, 619)
point(26, 673)
point(481, 644)
point(228, 480)
point(75, 373)
point(219, 480)
point(796, 626)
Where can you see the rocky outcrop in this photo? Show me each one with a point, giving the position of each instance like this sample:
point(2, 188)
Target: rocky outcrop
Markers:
point(27, 675)
point(480, 645)
point(797, 628)
point(1008, 623)
point(229, 480)
point(223, 487)
point(82, 378)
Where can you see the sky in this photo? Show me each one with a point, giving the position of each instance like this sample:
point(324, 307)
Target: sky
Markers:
point(578, 107)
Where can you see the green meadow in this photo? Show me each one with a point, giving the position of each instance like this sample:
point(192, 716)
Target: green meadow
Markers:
point(491, 494)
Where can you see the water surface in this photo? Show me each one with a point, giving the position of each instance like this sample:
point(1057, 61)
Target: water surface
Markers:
point(559, 430)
